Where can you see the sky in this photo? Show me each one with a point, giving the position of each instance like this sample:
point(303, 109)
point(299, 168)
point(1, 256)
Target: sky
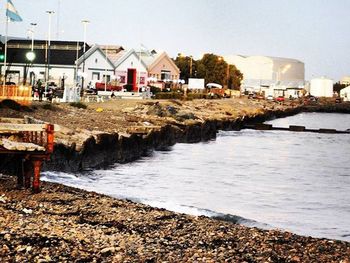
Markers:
point(313, 31)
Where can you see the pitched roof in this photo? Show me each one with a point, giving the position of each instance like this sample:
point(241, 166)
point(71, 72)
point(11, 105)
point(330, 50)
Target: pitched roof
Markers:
point(61, 52)
point(152, 58)
point(126, 55)
point(114, 52)
point(92, 50)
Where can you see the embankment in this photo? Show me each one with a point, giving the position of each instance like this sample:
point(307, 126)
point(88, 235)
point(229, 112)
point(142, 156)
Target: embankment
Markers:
point(108, 148)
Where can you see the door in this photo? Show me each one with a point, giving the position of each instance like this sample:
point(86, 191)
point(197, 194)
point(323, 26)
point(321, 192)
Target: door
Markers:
point(132, 79)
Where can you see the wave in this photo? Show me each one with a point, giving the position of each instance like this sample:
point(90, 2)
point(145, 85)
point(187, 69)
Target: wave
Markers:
point(195, 211)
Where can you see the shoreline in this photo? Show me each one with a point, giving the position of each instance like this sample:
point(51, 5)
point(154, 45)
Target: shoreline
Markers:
point(89, 226)
point(66, 224)
point(125, 134)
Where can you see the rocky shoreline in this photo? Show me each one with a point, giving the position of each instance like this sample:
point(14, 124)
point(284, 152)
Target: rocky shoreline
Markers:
point(64, 224)
point(90, 139)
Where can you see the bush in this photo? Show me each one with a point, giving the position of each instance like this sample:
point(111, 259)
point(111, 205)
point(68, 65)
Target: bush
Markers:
point(11, 104)
point(48, 106)
point(79, 105)
point(168, 95)
point(155, 89)
point(193, 96)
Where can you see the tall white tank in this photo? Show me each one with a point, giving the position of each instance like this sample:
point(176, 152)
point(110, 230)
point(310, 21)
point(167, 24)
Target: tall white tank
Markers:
point(321, 87)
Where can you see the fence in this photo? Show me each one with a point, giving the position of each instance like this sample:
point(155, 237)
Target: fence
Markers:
point(20, 94)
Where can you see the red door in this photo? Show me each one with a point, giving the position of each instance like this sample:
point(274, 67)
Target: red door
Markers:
point(132, 78)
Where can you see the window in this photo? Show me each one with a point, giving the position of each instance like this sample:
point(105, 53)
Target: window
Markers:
point(95, 76)
point(108, 78)
point(122, 79)
point(165, 75)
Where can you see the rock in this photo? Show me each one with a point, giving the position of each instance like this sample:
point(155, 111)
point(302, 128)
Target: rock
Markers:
point(27, 211)
point(108, 250)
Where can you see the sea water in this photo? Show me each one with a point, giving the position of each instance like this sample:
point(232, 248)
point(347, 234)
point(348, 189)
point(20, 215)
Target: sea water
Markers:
point(294, 181)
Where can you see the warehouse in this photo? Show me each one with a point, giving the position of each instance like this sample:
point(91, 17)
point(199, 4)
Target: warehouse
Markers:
point(261, 72)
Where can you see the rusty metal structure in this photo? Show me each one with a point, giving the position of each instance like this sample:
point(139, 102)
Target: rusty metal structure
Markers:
point(32, 143)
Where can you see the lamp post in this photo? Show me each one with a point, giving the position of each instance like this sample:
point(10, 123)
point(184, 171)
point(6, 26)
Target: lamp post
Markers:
point(50, 13)
point(32, 34)
point(191, 62)
point(85, 23)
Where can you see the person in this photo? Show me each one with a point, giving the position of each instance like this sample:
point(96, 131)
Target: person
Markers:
point(63, 81)
point(40, 90)
point(112, 95)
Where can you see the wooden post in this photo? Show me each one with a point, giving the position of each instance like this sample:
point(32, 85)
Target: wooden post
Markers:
point(50, 139)
point(36, 180)
point(19, 172)
point(27, 173)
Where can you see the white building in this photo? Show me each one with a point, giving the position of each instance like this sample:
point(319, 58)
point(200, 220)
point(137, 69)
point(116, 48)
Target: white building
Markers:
point(261, 72)
point(95, 66)
point(321, 87)
point(54, 64)
point(345, 93)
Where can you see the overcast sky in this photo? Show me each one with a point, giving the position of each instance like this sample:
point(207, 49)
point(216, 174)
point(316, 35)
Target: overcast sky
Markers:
point(313, 31)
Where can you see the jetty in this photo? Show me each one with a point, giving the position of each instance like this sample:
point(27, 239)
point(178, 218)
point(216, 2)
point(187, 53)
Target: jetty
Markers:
point(293, 128)
point(32, 143)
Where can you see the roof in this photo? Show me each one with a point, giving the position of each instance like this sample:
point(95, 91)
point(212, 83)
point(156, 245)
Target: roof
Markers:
point(126, 55)
point(151, 58)
point(148, 57)
point(62, 52)
point(92, 50)
point(114, 52)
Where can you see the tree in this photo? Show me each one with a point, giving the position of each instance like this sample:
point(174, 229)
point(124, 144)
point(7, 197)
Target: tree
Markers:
point(338, 86)
point(187, 65)
point(215, 69)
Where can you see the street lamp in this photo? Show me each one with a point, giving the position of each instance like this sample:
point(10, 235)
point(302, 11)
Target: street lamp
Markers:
point(31, 55)
point(85, 23)
point(50, 13)
point(31, 31)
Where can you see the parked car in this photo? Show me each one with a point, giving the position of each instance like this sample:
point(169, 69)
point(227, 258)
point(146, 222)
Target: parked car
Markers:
point(269, 97)
point(280, 99)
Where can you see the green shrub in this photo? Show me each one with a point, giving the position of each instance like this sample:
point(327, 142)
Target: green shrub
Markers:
point(155, 89)
point(79, 105)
